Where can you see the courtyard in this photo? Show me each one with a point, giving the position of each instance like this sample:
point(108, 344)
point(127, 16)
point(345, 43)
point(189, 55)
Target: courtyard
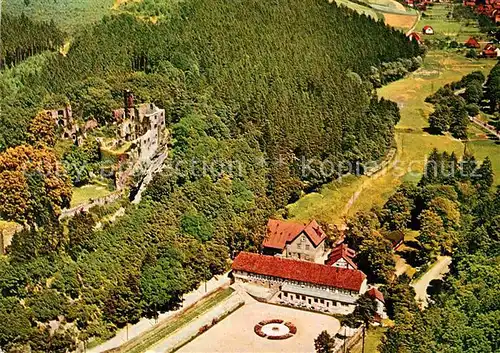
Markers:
point(236, 332)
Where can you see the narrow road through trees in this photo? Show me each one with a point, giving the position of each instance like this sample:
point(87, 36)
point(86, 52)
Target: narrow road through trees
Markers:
point(437, 271)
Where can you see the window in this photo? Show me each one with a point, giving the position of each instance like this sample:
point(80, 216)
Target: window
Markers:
point(308, 247)
point(285, 295)
point(322, 301)
point(315, 300)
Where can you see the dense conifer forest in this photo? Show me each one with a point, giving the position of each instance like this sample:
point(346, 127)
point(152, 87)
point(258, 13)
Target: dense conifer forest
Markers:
point(241, 81)
point(22, 38)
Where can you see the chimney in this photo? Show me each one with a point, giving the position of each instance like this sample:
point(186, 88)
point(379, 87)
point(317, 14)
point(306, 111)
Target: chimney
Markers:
point(128, 102)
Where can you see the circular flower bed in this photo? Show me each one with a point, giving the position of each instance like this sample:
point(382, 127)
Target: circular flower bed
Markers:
point(275, 329)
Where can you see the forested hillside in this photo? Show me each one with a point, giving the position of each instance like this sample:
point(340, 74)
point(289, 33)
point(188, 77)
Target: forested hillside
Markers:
point(460, 214)
point(244, 84)
point(22, 38)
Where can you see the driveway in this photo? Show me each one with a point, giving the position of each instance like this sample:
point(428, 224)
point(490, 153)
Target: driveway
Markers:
point(437, 271)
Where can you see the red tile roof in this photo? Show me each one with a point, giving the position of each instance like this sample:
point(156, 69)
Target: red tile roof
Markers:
point(301, 271)
point(375, 293)
point(281, 232)
point(414, 35)
point(341, 251)
point(472, 43)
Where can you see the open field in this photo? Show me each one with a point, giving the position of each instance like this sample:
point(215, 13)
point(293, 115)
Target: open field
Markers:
point(392, 12)
point(361, 9)
point(67, 14)
point(236, 332)
point(483, 148)
point(404, 22)
point(85, 193)
point(327, 204)
point(440, 67)
point(436, 16)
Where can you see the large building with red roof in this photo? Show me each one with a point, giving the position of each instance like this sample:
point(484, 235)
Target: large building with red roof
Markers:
point(295, 240)
point(301, 283)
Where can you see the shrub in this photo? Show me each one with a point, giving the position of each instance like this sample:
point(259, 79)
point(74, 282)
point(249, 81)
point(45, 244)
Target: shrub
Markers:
point(203, 329)
point(258, 330)
point(471, 54)
point(291, 327)
point(472, 109)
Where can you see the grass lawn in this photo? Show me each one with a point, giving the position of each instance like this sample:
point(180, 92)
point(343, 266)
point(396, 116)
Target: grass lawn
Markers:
point(483, 148)
point(328, 204)
point(83, 194)
point(176, 322)
point(372, 341)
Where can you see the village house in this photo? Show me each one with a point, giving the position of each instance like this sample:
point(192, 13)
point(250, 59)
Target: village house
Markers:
point(342, 256)
point(301, 283)
point(472, 43)
point(428, 30)
point(141, 124)
point(490, 51)
point(379, 299)
point(485, 7)
point(295, 240)
point(415, 36)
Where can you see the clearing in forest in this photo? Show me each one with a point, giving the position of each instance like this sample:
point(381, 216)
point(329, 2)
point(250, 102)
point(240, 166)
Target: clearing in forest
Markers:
point(69, 15)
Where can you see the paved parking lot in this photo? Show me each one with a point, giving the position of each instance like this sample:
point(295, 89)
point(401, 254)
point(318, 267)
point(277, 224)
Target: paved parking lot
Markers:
point(235, 333)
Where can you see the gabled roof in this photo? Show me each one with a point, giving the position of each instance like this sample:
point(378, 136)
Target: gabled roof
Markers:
point(472, 43)
point(376, 294)
point(341, 251)
point(395, 237)
point(489, 47)
point(301, 271)
point(281, 232)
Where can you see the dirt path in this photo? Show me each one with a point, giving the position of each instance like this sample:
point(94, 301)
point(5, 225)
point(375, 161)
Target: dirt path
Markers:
point(490, 128)
point(437, 271)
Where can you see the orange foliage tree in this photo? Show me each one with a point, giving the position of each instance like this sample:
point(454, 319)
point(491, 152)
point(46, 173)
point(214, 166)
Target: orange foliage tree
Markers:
point(43, 129)
point(34, 187)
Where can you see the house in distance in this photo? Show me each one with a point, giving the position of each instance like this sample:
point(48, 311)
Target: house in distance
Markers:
point(428, 30)
point(415, 36)
point(472, 43)
point(490, 51)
